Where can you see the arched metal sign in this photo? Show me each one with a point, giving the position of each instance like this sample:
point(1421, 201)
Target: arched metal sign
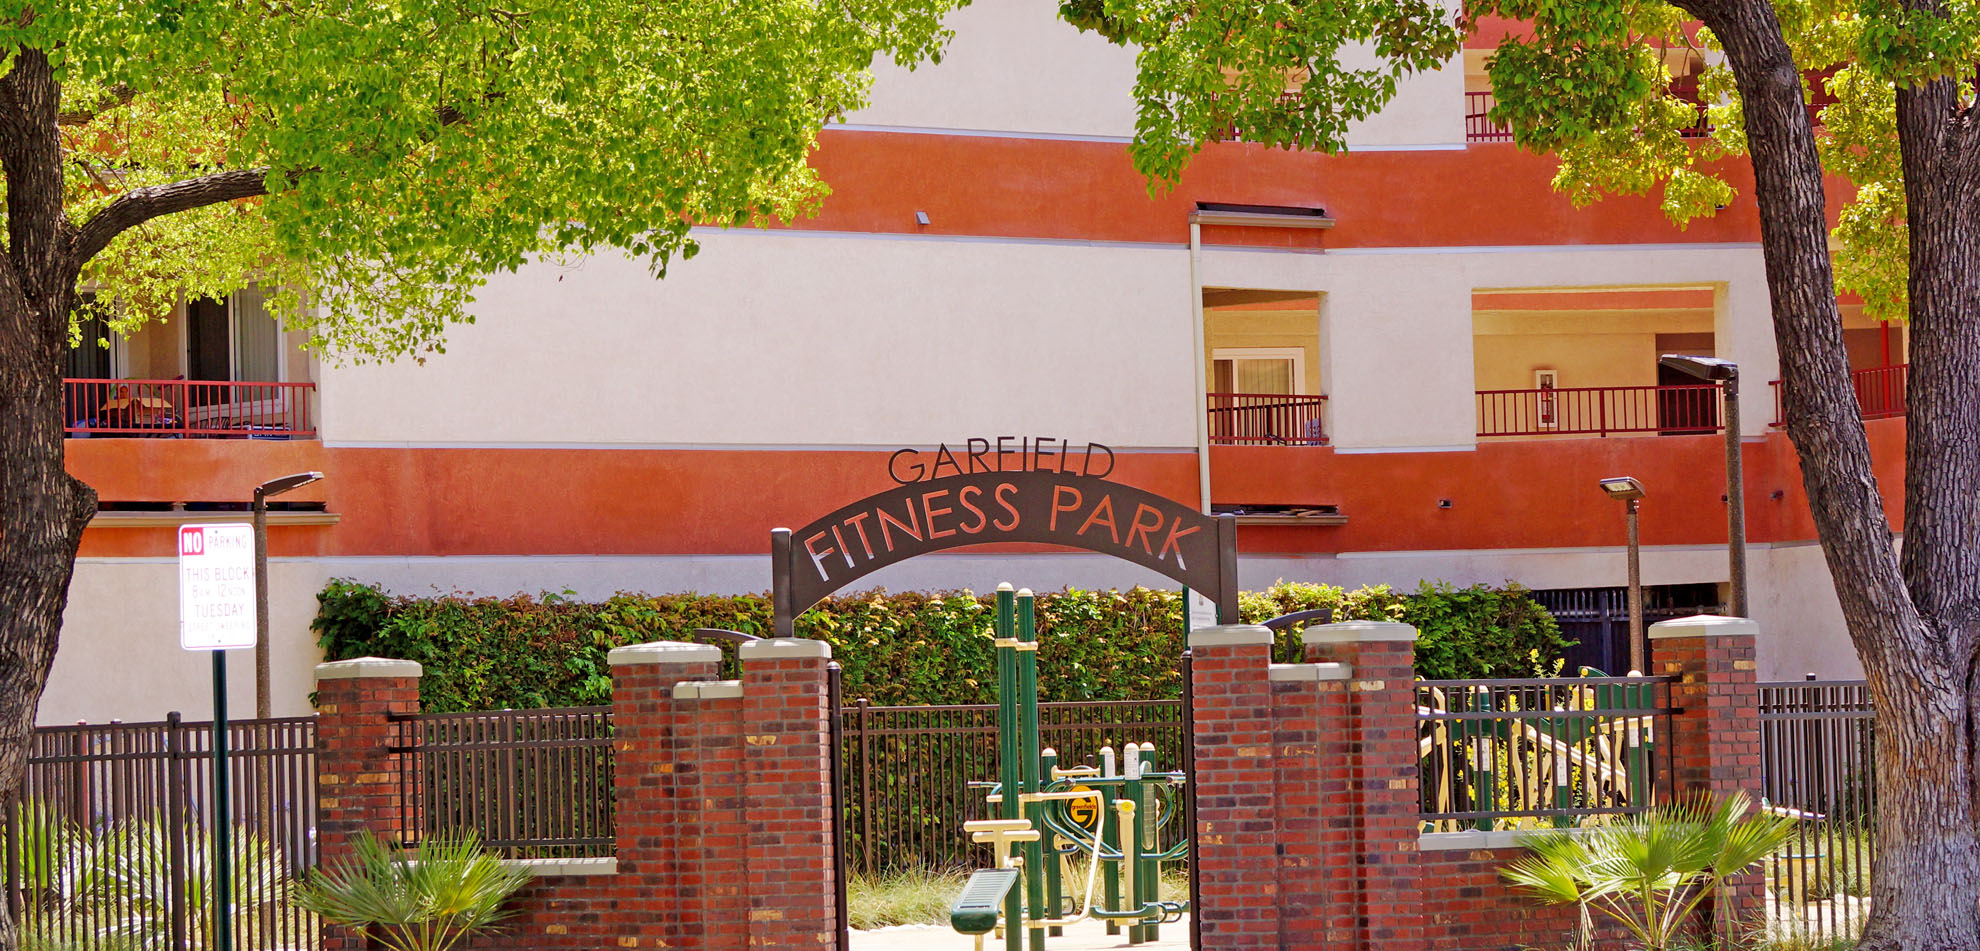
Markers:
point(979, 508)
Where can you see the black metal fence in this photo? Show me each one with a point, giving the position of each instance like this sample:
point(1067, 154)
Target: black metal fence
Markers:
point(108, 844)
point(527, 783)
point(908, 771)
point(1818, 748)
point(1531, 753)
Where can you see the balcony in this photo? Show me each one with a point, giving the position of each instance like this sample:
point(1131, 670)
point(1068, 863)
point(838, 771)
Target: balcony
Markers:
point(1479, 127)
point(1599, 411)
point(1266, 419)
point(181, 409)
point(1880, 391)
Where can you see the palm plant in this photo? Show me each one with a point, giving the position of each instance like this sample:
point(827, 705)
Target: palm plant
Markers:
point(1649, 872)
point(424, 900)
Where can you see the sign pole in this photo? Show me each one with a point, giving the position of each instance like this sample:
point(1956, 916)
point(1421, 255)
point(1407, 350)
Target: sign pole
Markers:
point(223, 852)
point(217, 614)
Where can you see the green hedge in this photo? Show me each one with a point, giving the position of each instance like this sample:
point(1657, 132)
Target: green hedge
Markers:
point(907, 648)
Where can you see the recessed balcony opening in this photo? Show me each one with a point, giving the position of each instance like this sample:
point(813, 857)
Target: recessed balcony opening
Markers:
point(1262, 362)
point(1557, 363)
point(211, 369)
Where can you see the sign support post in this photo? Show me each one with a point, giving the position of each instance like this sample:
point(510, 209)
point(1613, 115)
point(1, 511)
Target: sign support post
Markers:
point(223, 823)
point(217, 613)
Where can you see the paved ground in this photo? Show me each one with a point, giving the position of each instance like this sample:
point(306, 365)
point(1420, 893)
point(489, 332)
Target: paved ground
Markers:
point(1085, 936)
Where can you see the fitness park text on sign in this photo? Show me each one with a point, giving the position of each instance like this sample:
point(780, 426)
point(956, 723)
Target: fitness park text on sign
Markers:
point(1037, 506)
point(216, 587)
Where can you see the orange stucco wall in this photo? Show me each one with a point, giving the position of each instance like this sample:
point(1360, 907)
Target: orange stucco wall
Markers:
point(1048, 188)
point(655, 501)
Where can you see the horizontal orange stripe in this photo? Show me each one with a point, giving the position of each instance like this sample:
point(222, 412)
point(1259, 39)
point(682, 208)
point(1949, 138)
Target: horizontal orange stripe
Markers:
point(1483, 195)
point(1538, 494)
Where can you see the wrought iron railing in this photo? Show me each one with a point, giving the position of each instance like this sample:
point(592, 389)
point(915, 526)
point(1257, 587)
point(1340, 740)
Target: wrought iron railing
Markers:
point(1479, 126)
point(187, 408)
point(109, 842)
point(527, 783)
point(1266, 419)
point(1818, 748)
point(1880, 391)
point(1534, 753)
point(908, 770)
point(1599, 411)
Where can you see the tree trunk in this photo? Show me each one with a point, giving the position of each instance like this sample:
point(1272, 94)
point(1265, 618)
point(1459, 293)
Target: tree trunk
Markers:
point(1912, 623)
point(1926, 891)
point(43, 509)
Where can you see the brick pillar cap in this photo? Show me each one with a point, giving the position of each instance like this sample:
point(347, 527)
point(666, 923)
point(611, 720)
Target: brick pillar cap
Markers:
point(1704, 625)
point(367, 667)
point(1230, 635)
point(784, 647)
point(663, 652)
point(1356, 632)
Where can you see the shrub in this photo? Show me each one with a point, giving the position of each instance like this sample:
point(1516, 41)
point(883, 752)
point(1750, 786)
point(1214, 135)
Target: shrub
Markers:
point(908, 648)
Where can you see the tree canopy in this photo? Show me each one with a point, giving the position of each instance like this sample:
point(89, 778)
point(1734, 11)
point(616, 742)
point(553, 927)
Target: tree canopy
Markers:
point(409, 148)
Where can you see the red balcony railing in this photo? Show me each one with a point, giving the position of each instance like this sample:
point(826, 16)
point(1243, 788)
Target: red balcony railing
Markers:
point(180, 408)
point(1266, 419)
point(1879, 391)
point(1599, 411)
point(1479, 127)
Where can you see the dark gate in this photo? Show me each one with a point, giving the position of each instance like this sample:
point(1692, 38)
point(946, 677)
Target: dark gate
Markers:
point(1598, 618)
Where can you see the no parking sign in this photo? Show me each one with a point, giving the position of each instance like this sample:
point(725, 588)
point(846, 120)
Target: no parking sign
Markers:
point(216, 587)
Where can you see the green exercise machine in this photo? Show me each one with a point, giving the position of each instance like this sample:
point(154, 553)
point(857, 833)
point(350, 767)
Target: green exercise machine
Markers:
point(1110, 812)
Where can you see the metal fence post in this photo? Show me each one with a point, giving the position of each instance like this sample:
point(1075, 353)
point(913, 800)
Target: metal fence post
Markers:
point(865, 784)
point(175, 827)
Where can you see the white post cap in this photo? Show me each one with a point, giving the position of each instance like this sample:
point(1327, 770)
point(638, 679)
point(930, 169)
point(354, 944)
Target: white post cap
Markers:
point(1356, 632)
point(784, 647)
point(1704, 625)
point(1230, 635)
point(663, 652)
point(367, 667)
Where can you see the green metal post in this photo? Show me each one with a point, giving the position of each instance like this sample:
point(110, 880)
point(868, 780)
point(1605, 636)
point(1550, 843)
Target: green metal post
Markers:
point(1110, 871)
point(223, 824)
point(1055, 890)
point(1008, 756)
point(1484, 733)
point(1034, 852)
point(1150, 871)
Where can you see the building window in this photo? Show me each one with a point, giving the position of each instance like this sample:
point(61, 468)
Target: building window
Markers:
point(1272, 371)
point(234, 338)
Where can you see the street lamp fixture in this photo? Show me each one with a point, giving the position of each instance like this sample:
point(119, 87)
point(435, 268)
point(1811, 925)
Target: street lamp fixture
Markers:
point(262, 493)
point(1726, 374)
point(1629, 492)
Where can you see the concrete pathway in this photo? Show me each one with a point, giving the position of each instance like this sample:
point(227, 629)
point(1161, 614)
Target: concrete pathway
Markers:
point(1085, 936)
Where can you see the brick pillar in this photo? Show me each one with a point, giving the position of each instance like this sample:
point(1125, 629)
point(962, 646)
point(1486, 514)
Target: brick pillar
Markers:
point(1715, 735)
point(712, 889)
point(787, 759)
point(650, 817)
point(357, 779)
point(1383, 773)
point(1236, 853)
point(1315, 827)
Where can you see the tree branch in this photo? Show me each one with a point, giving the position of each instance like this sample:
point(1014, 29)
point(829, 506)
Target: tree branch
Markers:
point(140, 205)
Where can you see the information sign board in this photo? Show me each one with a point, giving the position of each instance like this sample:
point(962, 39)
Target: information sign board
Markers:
point(216, 587)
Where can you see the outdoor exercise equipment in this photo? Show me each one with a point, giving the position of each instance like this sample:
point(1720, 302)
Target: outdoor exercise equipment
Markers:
point(1111, 813)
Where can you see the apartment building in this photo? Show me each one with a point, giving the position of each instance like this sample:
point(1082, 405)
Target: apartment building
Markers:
point(1410, 361)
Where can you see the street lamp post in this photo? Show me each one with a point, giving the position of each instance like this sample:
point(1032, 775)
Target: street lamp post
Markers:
point(262, 493)
point(1726, 374)
point(1629, 492)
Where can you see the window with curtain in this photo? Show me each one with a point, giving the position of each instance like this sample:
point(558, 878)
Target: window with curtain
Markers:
point(257, 337)
point(1268, 375)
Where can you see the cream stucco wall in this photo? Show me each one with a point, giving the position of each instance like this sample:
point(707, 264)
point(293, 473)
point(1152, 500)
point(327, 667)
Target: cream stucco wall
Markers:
point(120, 657)
point(1015, 67)
point(803, 339)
